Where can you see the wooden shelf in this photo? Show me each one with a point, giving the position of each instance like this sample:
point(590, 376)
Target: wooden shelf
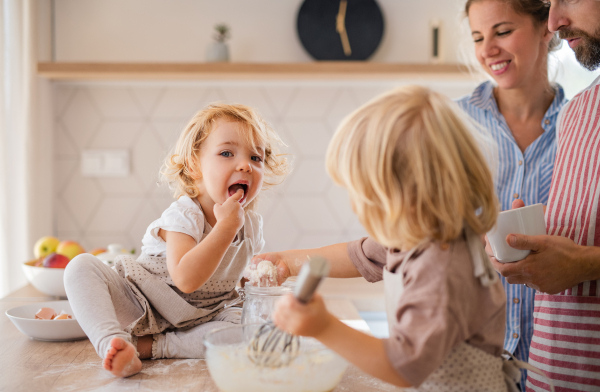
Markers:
point(220, 71)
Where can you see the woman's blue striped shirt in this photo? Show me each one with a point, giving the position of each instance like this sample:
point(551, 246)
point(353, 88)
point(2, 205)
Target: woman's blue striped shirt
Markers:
point(525, 176)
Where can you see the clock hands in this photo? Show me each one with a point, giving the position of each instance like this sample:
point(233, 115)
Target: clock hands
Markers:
point(341, 27)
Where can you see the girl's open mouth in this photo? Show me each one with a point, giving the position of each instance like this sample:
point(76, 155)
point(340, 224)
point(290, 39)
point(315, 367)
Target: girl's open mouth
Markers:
point(235, 187)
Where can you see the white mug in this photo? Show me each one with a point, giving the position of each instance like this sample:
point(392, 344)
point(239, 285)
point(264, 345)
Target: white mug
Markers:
point(525, 220)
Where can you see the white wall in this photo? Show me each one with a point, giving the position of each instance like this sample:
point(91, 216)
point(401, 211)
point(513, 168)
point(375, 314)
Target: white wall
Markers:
point(262, 30)
point(146, 118)
point(307, 210)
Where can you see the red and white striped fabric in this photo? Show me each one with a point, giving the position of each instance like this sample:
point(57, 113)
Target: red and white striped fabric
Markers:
point(566, 338)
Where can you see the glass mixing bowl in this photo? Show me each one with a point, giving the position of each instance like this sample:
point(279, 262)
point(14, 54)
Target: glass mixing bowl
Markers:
point(315, 369)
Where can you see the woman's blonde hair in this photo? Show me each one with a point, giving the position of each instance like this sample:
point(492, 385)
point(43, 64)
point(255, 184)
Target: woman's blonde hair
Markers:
point(413, 168)
point(178, 168)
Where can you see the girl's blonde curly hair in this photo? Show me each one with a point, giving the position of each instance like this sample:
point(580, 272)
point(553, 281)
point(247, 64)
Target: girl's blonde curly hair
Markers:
point(178, 171)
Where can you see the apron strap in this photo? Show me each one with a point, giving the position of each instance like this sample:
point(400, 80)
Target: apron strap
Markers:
point(241, 298)
point(512, 371)
point(482, 267)
point(406, 259)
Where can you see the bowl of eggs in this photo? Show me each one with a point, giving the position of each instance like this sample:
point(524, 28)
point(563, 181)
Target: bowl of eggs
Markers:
point(49, 321)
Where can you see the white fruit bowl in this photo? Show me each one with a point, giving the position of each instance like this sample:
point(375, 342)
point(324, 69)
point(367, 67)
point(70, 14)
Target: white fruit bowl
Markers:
point(23, 317)
point(47, 280)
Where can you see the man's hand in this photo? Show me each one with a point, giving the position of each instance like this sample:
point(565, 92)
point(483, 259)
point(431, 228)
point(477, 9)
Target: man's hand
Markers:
point(230, 214)
point(554, 264)
point(518, 203)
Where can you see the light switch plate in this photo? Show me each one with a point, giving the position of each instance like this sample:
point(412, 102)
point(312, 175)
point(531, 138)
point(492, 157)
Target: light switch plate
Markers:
point(105, 163)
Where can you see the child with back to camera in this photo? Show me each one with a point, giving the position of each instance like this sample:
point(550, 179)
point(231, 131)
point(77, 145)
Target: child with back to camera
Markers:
point(183, 284)
point(422, 189)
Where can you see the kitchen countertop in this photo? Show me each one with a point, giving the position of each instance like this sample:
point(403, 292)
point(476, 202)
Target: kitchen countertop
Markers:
point(31, 365)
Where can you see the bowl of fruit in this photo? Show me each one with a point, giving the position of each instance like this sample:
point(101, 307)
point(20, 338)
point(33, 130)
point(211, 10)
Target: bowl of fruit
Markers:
point(47, 270)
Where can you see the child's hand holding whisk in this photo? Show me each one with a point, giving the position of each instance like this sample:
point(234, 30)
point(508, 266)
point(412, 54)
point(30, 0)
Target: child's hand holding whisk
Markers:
point(310, 319)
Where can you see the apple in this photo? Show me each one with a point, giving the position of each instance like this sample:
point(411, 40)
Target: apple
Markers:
point(97, 251)
point(69, 249)
point(44, 246)
point(56, 260)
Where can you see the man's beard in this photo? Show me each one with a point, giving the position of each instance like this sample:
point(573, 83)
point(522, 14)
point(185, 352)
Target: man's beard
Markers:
point(588, 50)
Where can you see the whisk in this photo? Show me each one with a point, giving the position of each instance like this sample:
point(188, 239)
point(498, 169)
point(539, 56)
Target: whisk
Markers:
point(272, 347)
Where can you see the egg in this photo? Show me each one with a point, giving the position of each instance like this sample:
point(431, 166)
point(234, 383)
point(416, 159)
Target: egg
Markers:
point(45, 314)
point(63, 316)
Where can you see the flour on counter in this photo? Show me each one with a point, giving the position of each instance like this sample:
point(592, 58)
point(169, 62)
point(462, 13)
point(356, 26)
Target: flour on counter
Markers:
point(164, 368)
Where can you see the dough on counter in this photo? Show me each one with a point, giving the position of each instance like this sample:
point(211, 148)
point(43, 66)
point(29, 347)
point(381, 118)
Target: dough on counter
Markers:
point(45, 314)
point(263, 274)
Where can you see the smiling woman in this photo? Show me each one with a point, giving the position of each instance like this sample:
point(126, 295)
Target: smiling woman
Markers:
point(520, 109)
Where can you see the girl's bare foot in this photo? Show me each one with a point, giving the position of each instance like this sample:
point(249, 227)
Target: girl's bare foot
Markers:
point(121, 359)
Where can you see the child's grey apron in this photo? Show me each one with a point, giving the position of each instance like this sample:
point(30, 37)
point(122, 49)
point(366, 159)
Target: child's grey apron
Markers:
point(466, 368)
point(165, 306)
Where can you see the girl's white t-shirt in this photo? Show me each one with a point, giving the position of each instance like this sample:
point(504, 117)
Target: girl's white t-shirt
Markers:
point(185, 216)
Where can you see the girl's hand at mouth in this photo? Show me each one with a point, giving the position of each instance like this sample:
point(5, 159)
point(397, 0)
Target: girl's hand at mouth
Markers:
point(230, 215)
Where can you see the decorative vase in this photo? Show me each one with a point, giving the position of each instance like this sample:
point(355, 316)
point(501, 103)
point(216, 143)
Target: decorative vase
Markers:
point(217, 52)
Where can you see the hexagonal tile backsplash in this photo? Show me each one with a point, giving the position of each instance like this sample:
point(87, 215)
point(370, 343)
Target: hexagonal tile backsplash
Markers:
point(307, 210)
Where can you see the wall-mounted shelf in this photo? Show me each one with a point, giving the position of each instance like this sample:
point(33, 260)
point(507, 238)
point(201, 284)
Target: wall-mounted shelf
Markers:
point(220, 71)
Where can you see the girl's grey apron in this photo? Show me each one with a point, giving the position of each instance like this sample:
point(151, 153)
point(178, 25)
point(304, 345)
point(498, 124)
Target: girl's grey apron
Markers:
point(165, 306)
point(466, 368)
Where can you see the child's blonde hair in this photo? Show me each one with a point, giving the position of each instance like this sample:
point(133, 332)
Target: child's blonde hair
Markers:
point(178, 167)
point(413, 169)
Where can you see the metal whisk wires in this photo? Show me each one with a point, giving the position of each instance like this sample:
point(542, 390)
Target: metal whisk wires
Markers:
point(272, 347)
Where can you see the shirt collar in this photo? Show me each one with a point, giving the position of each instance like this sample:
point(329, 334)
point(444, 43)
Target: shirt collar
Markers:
point(483, 98)
point(558, 102)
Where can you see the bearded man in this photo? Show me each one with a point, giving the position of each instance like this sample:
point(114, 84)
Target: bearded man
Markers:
point(564, 266)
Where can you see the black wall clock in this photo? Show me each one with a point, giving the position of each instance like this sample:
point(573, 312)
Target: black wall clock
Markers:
point(340, 29)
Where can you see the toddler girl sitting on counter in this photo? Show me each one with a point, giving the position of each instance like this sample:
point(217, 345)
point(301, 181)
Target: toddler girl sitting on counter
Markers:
point(183, 285)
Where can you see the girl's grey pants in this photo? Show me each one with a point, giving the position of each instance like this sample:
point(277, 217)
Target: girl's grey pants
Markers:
point(104, 305)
